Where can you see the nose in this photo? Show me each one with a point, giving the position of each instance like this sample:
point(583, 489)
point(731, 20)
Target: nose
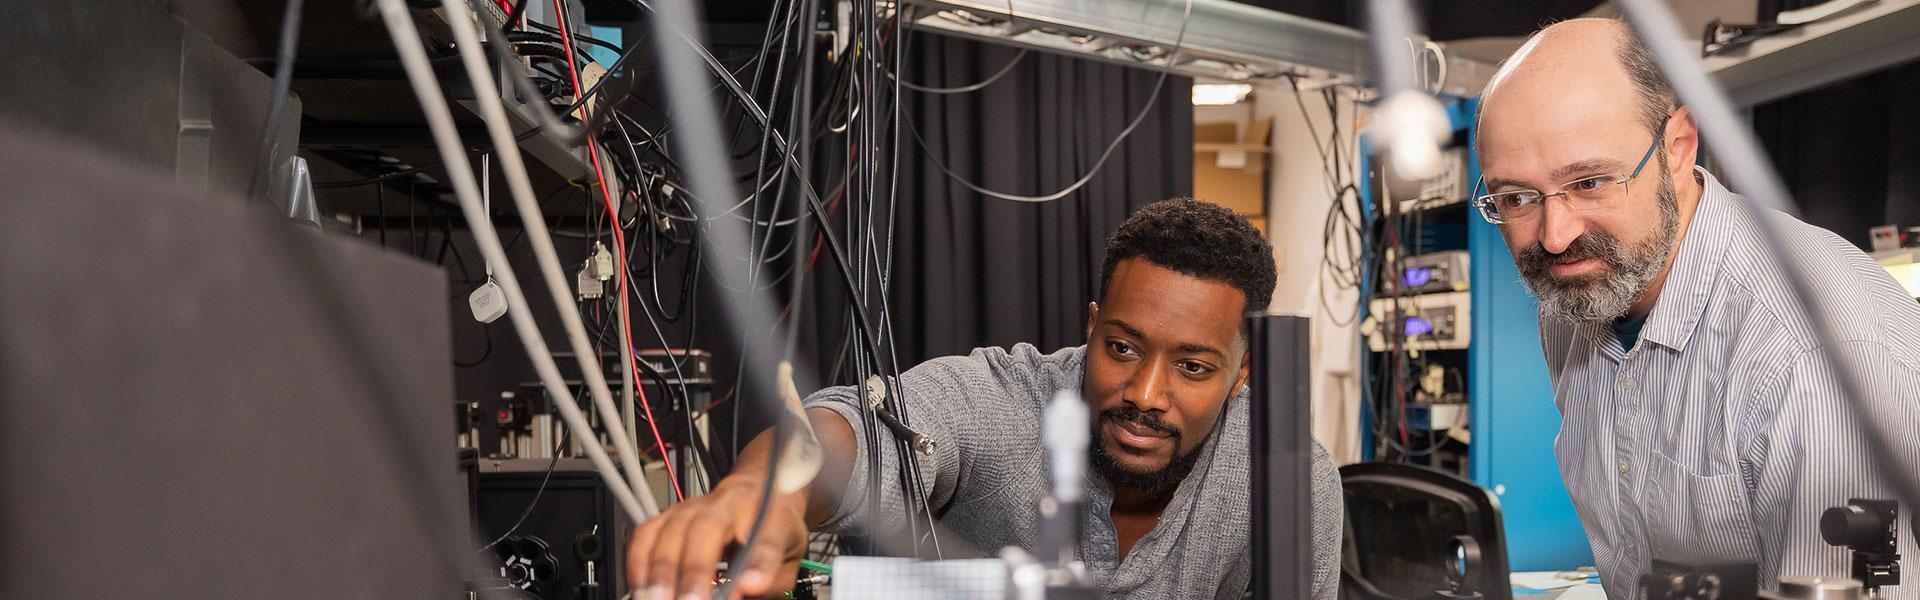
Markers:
point(1147, 388)
point(1559, 225)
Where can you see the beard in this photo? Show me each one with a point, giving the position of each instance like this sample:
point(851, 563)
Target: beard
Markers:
point(1608, 295)
point(1158, 480)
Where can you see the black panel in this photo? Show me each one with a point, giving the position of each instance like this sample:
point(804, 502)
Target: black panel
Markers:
point(204, 400)
point(105, 72)
point(1282, 445)
point(127, 78)
point(547, 554)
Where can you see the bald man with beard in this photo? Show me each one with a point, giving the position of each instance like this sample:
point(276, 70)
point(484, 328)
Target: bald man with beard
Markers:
point(1701, 420)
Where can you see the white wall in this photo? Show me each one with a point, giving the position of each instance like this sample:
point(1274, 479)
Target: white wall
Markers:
point(1298, 198)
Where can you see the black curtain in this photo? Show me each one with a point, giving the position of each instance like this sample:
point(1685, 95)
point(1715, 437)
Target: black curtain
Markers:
point(978, 271)
point(1850, 152)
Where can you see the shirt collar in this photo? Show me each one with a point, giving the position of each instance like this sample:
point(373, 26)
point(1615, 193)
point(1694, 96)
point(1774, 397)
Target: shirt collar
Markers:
point(1690, 283)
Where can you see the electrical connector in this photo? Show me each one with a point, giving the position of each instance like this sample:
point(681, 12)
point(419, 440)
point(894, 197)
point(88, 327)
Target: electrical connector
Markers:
point(601, 263)
point(588, 286)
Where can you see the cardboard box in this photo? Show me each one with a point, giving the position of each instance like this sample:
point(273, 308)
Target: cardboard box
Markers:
point(1230, 166)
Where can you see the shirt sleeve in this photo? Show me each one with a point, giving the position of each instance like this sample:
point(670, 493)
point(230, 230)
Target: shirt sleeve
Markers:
point(977, 409)
point(1329, 524)
point(1814, 454)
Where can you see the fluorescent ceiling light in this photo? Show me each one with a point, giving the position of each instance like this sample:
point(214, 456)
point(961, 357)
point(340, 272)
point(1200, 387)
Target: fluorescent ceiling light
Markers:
point(1220, 94)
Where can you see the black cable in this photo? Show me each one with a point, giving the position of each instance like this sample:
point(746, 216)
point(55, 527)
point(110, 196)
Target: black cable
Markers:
point(380, 200)
point(1152, 99)
point(818, 212)
point(1347, 276)
point(537, 492)
point(689, 279)
point(961, 89)
point(561, 444)
point(887, 330)
point(894, 410)
point(799, 124)
point(833, 243)
point(530, 47)
point(282, 82)
point(484, 354)
point(759, 69)
point(780, 433)
point(413, 232)
point(513, 16)
point(760, 163)
point(686, 396)
point(447, 246)
point(555, 33)
point(685, 399)
point(617, 70)
point(800, 109)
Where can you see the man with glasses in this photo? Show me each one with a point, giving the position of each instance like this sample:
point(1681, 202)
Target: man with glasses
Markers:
point(1701, 422)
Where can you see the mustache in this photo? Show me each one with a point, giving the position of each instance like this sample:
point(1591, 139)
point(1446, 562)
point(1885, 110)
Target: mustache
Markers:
point(1534, 260)
point(1136, 416)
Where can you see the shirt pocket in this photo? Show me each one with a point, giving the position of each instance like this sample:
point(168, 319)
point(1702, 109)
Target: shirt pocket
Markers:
point(1696, 519)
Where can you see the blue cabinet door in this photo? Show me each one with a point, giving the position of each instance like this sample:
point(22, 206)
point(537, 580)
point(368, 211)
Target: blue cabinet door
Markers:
point(1514, 417)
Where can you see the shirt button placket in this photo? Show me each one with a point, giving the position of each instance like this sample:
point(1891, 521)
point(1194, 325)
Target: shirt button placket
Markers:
point(1627, 417)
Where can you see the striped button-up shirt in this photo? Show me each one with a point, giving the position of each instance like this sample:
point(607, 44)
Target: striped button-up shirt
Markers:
point(1723, 434)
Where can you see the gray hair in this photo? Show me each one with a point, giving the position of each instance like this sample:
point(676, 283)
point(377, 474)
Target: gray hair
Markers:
point(1657, 99)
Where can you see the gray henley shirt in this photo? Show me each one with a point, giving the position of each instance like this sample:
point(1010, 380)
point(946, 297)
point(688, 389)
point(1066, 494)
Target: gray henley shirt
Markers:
point(989, 473)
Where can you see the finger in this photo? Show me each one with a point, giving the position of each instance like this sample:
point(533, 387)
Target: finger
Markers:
point(663, 566)
point(780, 579)
point(700, 554)
point(775, 559)
point(639, 550)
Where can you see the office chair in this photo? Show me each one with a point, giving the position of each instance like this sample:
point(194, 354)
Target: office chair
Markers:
point(1418, 534)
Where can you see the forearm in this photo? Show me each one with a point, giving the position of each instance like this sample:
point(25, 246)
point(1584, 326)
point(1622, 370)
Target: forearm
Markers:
point(822, 495)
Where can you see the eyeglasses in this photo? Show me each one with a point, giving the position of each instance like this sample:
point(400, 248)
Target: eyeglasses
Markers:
point(1582, 194)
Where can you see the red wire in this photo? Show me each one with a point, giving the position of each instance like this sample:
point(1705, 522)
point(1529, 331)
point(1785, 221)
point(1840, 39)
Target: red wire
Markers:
point(619, 254)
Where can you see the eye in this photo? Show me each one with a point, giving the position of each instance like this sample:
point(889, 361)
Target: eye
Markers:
point(1517, 200)
point(1193, 368)
point(1590, 184)
point(1119, 348)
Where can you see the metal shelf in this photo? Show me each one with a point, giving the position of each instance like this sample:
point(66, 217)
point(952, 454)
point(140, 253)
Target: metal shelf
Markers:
point(1223, 39)
point(568, 160)
point(1870, 38)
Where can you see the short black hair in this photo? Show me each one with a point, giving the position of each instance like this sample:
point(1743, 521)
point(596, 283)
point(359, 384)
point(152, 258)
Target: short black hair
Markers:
point(1198, 239)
